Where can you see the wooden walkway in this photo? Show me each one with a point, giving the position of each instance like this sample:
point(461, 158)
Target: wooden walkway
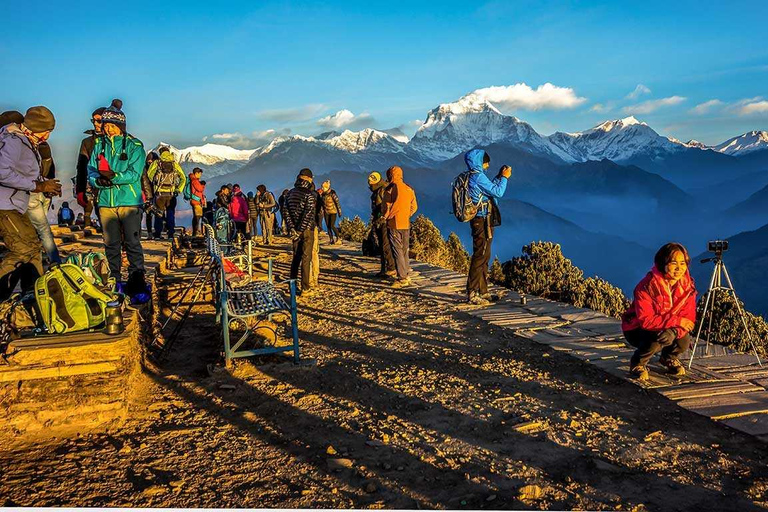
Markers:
point(726, 386)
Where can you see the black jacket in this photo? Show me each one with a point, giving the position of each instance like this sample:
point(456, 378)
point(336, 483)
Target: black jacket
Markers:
point(301, 206)
point(86, 148)
point(377, 198)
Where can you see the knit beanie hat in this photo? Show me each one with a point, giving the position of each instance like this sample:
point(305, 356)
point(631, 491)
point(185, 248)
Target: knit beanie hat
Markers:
point(114, 115)
point(99, 111)
point(374, 178)
point(11, 117)
point(39, 119)
point(306, 173)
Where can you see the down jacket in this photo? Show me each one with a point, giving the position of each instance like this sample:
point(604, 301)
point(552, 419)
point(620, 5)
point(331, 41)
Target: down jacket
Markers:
point(300, 207)
point(126, 184)
point(399, 200)
point(657, 306)
point(19, 168)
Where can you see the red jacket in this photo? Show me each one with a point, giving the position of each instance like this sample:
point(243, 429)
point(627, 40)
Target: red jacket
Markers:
point(196, 189)
point(656, 307)
point(238, 208)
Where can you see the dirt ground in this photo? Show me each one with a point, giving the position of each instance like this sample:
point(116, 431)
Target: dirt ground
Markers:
point(412, 404)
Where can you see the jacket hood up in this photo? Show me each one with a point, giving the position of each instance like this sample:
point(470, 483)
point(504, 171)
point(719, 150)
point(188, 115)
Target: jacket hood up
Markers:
point(474, 160)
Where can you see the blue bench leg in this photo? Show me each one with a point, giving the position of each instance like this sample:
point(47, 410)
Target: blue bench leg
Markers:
point(225, 321)
point(294, 321)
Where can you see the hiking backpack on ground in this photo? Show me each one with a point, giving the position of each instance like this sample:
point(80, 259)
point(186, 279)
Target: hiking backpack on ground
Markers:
point(463, 208)
point(166, 176)
point(17, 313)
point(94, 265)
point(68, 301)
point(371, 244)
point(223, 227)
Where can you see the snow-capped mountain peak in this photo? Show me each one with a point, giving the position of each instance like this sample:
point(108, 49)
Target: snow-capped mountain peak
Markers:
point(617, 124)
point(745, 143)
point(365, 140)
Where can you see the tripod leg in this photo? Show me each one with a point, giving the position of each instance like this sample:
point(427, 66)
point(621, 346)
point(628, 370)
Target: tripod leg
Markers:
point(743, 316)
point(703, 315)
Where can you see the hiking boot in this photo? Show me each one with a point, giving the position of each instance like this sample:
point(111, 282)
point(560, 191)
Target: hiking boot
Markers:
point(401, 283)
point(476, 299)
point(491, 297)
point(639, 373)
point(391, 273)
point(381, 274)
point(674, 366)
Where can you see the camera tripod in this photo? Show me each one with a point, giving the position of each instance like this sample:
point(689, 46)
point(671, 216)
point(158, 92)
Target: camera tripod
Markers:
point(715, 286)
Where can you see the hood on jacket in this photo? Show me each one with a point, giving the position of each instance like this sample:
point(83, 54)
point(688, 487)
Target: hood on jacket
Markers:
point(395, 174)
point(474, 160)
point(167, 156)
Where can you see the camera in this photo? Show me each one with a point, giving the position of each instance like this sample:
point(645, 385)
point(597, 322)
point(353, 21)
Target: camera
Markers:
point(717, 246)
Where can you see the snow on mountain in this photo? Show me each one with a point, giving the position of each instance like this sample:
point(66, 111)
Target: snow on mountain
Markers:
point(367, 140)
point(214, 159)
point(453, 128)
point(616, 140)
point(398, 135)
point(693, 143)
point(743, 144)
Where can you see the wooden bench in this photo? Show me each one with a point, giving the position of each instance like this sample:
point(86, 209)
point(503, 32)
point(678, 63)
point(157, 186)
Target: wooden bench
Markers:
point(259, 300)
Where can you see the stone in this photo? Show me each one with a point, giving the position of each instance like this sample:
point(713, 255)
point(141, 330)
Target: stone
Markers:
point(331, 450)
point(370, 487)
point(530, 492)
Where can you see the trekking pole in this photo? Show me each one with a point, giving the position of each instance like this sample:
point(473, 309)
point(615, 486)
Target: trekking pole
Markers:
point(184, 295)
point(177, 330)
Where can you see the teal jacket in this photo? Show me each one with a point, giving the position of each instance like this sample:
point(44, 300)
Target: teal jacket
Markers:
point(126, 185)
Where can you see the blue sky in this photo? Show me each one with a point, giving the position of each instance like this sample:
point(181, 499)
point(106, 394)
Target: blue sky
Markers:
point(189, 70)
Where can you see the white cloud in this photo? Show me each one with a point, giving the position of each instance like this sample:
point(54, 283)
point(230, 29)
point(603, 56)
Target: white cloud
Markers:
point(346, 119)
point(600, 108)
point(246, 141)
point(639, 91)
point(288, 115)
point(703, 108)
point(522, 96)
point(753, 107)
point(649, 106)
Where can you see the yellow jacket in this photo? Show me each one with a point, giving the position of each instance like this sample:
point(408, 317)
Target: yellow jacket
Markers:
point(166, 183)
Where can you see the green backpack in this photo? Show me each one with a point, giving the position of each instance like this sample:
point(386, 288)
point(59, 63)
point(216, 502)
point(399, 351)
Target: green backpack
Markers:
point(94, 265)
point(68, 301)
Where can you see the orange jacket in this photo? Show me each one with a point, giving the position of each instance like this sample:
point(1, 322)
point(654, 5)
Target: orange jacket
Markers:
point(399, 200)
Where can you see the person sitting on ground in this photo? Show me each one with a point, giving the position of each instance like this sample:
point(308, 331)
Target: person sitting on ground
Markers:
point(66, 215)
point(331, 210)
point(197, 199)
point(115, 169)
point(238, 210)
point(300, 214)
point(379, 225)
point(168, 180)
point(80, 220)
point(266, 204)
point(20, 174)
point(663, 312)
point(399, 206)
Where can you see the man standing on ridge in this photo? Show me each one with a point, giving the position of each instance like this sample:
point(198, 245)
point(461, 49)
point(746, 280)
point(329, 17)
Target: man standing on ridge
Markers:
point(483, 192)
point(196, 199)
point(300, 213)
point(83, 191)
point(168, 180)
point(115, 169)
point(265, 202)
point(379, 225)
point(399, 206)
point(20, 174)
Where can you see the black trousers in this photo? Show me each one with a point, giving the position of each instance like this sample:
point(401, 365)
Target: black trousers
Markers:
point(482, 236)
point(647, 345)
point(302, 258)
point(382, 238)
point(330, 225)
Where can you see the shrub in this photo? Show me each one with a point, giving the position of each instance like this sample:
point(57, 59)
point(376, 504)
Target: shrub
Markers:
point(427, 243)
point(496, 273)
point(457, 257)
point(727, 327)
point(543, 270)
point(353, 230)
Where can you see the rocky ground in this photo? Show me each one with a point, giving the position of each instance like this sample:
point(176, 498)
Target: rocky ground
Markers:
point(412, 403)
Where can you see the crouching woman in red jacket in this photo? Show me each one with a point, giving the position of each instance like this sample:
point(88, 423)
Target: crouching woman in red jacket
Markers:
point(663, 313)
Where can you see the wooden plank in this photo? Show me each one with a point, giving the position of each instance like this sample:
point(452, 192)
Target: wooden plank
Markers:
point(707, 389)
point(729, 406)
point(598, 354)
point(57, 371)
point(754, 424)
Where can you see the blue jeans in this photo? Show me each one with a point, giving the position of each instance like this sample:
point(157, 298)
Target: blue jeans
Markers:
point(37, 213)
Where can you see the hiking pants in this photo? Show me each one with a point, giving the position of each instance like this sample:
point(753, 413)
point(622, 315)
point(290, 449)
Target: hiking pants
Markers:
point(482, 236)
point(166, 202)
point(150, 228)
point(38, 215)
point(647, 345)
point(22, 243)
point(266, 220)
point(88, 209)
point(330, 225)
point(399, 240)
point(254, 225)
point(121, 227)
point(197, 219)
point(302, 257)
point(382, 238)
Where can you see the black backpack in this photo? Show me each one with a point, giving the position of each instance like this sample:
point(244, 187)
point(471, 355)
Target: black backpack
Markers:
point(166, 176)
point(463, 208)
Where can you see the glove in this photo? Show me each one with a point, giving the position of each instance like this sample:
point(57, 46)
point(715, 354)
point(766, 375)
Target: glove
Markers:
point(666, 337)
point(81, 200)
point(103, 181)
point(505, 171)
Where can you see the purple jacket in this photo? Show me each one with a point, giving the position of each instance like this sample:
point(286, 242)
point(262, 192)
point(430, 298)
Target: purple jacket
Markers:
point(19, 169)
